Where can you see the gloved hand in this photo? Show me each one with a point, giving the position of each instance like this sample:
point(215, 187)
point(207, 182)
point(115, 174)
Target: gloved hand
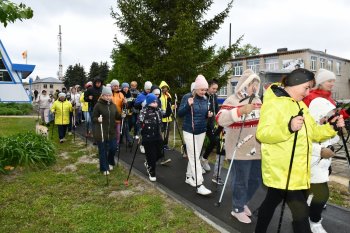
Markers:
point(99, 119)
point(327, 153)
point(246, 109)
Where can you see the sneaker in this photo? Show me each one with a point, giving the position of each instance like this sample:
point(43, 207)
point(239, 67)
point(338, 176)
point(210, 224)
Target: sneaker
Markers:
point(316, 227)
point(165, 161)
point(242, 217)
point(166, 147)
point(137, 137)
point(61, 140)
point(205, 164)
point(202, 190)
point(142, 149)
point(152, 178)
point(190, 181)
point(106, 173)
point(247, 211)
point(70, 133)
point(111, 167)
point(203, 171)
point(217, 180)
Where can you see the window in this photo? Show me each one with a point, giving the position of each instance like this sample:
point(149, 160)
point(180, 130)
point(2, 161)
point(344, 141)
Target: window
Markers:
point(271, 64)
point(254, 65)
point(233, 85)
point(330, 65)
point(223, 91)
point(313, 65)
point(238, 68)
point(4, 74)
point(51, 86)
point(338, 68)
point(45, 86)
point(322, 63)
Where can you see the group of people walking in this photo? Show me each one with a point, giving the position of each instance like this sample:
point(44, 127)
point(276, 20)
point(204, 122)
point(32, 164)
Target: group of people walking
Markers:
point(284, 142)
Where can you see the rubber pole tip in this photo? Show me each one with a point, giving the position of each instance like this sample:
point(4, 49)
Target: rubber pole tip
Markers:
point(126, 183)
point(217, 204)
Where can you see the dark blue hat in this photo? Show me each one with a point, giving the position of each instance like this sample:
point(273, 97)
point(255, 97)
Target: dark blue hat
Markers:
point(150, 98)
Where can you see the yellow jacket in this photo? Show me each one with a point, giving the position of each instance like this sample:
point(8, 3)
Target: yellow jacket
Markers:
point(277, 141)
point(84, 105)
point(164, 101)
point(61, 110)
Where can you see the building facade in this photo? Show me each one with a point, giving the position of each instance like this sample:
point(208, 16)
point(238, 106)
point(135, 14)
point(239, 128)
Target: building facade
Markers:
point(284, 61)
point(49, 84)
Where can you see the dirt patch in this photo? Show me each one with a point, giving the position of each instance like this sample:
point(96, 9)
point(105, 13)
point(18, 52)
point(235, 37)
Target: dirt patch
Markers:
point(64, 155)
point(122, 193)
point(69, 168)
point(86, 159)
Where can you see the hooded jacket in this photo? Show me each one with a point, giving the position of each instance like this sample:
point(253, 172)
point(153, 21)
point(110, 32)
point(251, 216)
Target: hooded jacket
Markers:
point(95, 92)
point(277, 141)
point(110, 115)
point(319, 108)
point(61, 109)
point(165, 99)
point(248, 147)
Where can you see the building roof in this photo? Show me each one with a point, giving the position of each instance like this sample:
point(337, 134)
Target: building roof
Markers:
point(48, 80)
point(25, 69)
point(286, 52)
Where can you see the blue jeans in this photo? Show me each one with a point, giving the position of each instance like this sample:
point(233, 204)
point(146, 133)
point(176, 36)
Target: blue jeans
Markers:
point(88, 121)
point(62, 129)
point(246, 179)
point(106, 151)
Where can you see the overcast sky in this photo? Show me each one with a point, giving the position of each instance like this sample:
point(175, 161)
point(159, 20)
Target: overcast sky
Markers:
point(88, 29)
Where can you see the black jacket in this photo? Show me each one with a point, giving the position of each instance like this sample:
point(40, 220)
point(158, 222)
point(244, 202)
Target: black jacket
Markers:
point(150, 122)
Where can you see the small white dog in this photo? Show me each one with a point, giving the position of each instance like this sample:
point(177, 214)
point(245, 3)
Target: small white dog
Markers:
point(42, 130)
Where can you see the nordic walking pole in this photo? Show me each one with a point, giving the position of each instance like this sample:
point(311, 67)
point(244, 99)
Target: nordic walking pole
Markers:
point(174, 121)
point(300, 113)
point(105, 152)
point(126, 182)
point(53, 127)
point(234, 154)
point(87, 132)
point(73, 124)
point(194, 146)
point(344, 144)
point(220, 151)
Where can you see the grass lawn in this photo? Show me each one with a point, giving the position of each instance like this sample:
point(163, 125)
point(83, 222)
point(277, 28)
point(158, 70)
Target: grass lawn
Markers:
point(72, 196)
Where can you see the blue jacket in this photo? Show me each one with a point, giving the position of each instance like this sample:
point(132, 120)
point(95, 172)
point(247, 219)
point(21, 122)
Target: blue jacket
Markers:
point(140, 98)
point(200, 114)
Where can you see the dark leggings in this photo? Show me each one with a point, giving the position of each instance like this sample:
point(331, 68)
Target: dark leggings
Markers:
point(321, 195)
point(296, 200)
point(153, 151)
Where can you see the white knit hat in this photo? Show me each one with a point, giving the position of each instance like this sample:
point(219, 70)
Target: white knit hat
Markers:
point(148, 85)
point(114, 82)
point(106, 91)
point(324, 75)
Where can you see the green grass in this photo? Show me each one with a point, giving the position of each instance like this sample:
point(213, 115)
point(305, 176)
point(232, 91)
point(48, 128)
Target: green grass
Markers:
point(10, 126)
point(72, 196)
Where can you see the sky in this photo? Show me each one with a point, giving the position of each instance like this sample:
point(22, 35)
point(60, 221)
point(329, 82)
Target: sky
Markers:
point(88, 30)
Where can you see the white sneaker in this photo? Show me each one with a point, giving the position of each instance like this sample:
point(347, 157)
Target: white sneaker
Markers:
point(202, 190)
point(241, 216)
point(316, 227)
point(190, 181)
point(205, 164)
point(106, 173)
point(203, 170)
point(137, 137)
point(111, 167)
point(152, 178)
point(142, 149)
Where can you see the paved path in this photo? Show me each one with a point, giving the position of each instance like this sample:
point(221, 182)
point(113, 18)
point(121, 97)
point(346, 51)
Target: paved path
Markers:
point(171, 179)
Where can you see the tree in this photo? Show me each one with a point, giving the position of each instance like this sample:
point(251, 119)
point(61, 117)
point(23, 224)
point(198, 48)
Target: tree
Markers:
point(166, 41)
point(100, 70)
point(247, 50)
point(75, 75)
point(10, 12)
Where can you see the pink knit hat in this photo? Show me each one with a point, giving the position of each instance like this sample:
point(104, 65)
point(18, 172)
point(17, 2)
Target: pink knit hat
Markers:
point(201, 82)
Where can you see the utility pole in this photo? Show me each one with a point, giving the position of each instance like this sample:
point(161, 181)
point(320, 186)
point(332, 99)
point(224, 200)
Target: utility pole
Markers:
point(60, 67)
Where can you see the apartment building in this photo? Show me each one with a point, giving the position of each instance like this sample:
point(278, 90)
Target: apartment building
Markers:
point(285, 61)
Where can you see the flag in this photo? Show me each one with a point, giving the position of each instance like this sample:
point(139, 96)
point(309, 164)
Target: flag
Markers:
point(24, 54)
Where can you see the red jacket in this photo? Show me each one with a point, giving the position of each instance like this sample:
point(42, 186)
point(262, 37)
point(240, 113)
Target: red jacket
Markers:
point(324, 94)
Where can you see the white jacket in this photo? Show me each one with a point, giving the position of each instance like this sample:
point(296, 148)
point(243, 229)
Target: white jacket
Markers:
point(43, 101)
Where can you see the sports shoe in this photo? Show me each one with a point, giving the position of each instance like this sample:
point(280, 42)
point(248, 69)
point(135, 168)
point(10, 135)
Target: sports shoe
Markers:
point(61, 140)
point(247, 211)
point(316, 227)
point(152, 178)
point(165, 161)
point(242, 217)
point(142, 149)
point(106, 173)
point(136, 137)
point(217, 180)
point(111, 167)
point(202, 190)
point(190, 181)
point(70, 133)
point(203, 170)
point(205, 164)
point(166, 147)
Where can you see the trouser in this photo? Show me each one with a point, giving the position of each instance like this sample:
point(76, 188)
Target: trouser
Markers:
point(246, 179)
point(88, 121)
point(106, 151)
point(117, 132)
point(296, 200)
point(191, 168)
point(218, 166)
point(153, 151)
point(125, 131)
point(320, 196)
point(166, 128)
point(134, 123)
point(62, 129)
point(44, 113)
point(212, 142)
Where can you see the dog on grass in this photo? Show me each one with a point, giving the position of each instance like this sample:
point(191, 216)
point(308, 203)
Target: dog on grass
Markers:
point(42, 130)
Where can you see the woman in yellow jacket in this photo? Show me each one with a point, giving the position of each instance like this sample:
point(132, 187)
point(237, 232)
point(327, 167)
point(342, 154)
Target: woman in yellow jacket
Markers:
point(61, 108)
point(286, 144)
point(85, 110)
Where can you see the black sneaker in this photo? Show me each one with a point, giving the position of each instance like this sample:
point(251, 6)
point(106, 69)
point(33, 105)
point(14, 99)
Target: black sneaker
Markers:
point(217, 180)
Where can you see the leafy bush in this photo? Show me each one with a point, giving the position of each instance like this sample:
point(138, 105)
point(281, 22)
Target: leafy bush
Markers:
point(15, 108)
point(26, 149)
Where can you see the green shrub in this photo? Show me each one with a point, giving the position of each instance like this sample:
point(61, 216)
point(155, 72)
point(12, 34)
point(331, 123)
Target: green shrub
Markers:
point(15, 108)
point(27, 150)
